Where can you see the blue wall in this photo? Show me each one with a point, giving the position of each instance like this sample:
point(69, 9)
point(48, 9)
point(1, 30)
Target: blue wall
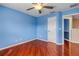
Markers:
point(59, 28)
point(42, 28)
point(15, 27)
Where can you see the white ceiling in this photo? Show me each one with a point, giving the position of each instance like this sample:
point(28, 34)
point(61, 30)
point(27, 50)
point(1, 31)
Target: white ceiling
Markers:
point(23, 6)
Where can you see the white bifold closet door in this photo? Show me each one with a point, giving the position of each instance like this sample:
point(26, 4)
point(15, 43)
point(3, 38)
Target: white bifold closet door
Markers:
point(52, 29)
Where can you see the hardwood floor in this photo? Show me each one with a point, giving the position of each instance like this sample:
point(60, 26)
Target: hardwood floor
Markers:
point(71, 49)
point(42, 48)
point(66, 48)
point(33, 48)
point(74, 47)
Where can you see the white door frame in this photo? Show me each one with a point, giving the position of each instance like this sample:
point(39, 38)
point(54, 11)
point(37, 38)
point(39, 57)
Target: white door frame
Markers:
point(70, 25)
point(70, 28)
point(54, 18)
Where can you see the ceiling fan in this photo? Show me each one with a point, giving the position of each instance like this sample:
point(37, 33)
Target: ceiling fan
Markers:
point(39, 7)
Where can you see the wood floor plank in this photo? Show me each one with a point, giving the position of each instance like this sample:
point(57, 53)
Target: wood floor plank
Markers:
point(71, 49)
point(32, 48)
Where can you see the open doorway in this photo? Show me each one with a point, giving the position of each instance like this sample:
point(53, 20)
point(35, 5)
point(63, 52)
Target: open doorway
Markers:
point(71, 35)
point(67, 33)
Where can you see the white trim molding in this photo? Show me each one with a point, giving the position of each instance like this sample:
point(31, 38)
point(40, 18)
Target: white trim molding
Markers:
point(13, 45)
point(22, 43)
point(16, 44)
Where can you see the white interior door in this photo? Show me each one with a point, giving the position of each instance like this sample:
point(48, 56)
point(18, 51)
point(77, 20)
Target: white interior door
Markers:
point(52, 27)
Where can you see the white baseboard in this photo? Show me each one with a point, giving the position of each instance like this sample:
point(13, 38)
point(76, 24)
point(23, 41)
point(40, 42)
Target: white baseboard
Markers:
point(16, 44)
point(26, 42)
point(42, 39)
point(51, 41)
point(59, 43)
point(72, 41)
point(66, 39)
point(21, 43)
